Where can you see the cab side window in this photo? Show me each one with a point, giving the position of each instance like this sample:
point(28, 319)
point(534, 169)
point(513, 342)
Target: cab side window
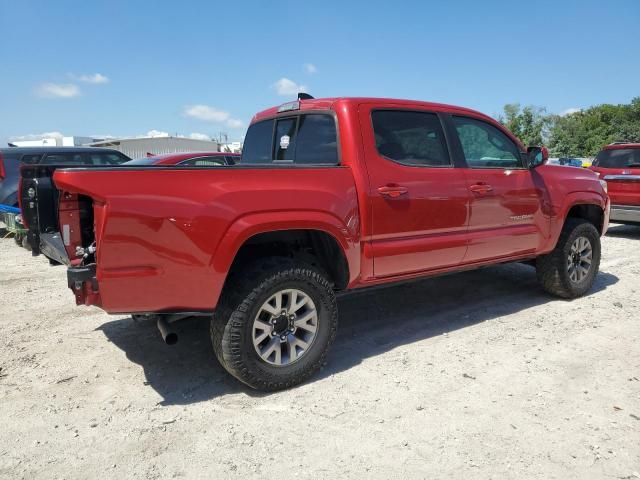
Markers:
point(485, 146)
point(410, 138)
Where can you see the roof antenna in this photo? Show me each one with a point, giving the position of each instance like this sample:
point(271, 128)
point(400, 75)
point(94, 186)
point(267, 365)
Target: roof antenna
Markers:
point(304, 96)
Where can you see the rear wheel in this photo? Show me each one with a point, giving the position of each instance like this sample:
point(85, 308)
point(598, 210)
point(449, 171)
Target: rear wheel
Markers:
point(275, 324)
point(570, 269)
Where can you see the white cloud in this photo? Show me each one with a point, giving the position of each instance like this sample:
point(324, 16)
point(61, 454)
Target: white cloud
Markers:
point(287, 88)
point(156, 133)
point(234, 123)
point(58, 90)
point(211, 114)
point(310, 68)
point(36, 136)
point(206, 113)
point(95, 78)
point(199, 136)
point(569, 111)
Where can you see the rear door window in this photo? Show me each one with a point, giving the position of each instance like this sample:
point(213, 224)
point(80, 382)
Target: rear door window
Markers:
point(410, 138)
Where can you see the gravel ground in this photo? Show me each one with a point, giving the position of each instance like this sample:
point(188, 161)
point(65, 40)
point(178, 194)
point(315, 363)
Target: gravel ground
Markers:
point(474, 375)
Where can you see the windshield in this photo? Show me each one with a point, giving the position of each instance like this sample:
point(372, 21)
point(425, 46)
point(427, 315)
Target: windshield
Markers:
point(618, 158)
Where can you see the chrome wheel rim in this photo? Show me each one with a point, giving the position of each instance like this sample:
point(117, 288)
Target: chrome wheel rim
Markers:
point(579, 259)
point(285, 327)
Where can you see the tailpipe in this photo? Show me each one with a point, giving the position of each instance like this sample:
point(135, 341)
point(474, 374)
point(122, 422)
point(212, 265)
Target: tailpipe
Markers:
point(169, 336)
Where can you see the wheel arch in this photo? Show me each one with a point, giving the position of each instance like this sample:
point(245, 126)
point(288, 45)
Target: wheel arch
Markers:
point(315, 237)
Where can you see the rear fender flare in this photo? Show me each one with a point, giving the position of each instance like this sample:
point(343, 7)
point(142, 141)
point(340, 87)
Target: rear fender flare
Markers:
point(243, 228)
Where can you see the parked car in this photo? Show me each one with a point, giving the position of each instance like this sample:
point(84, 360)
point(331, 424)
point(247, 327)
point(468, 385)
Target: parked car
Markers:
point(329, 195)
point(619, 165)
point(12, 158)
point(193, 159)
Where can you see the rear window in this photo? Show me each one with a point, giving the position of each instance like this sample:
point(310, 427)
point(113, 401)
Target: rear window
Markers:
point(317, 141)
point(257, 143)
point(307, 139)
point(618, 158)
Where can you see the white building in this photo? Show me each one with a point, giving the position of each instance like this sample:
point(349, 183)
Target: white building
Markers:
point(144, 146)
point(73, 141)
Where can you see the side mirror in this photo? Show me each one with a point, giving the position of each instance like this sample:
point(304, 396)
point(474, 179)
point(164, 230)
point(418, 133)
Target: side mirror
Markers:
point(537, 156)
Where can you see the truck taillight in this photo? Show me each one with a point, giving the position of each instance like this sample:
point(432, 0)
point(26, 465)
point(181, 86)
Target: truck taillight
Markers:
point(3, 172)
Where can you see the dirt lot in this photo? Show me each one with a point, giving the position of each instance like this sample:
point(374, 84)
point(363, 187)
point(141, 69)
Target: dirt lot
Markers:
point(475, 375)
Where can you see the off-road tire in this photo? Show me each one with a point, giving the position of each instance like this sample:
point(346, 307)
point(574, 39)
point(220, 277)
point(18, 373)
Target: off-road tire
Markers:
point(244, 294)
point(551, 269)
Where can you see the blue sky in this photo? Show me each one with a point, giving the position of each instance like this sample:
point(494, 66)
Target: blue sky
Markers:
point(124, 68)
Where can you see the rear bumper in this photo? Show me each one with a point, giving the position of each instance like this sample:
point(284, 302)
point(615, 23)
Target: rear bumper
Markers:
point(84, 284)
point(625, 214)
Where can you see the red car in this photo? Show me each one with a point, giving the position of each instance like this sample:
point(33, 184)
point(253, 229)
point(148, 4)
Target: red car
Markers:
point(619, 165)
point(330, 195)
point(197, 159)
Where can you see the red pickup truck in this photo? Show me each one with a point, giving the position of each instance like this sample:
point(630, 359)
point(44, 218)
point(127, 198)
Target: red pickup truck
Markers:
point(329, 195)
point(619, 165)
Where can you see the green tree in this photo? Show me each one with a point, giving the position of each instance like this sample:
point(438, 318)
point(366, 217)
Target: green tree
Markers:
point(530, 124)
point(584, 133)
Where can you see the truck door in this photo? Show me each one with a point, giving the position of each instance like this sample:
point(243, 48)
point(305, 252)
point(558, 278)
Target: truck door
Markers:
point(506, 218)
point(418, 200)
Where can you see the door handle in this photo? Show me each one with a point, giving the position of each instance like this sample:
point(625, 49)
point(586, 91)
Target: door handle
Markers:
point(392, 191)
point(481, 188)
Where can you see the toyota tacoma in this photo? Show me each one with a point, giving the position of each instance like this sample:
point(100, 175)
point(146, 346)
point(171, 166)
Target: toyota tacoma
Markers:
point(329, 195)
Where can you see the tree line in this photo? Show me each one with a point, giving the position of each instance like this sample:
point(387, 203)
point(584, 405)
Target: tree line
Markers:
point(578, 134)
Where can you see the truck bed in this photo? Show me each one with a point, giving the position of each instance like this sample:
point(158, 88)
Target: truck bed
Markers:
point(157, 230)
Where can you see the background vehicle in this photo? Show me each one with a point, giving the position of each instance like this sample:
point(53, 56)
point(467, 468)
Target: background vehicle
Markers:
point(619, 165)
point(49, 242)
point(12, 158)
point(192, 159)
point(329, 195)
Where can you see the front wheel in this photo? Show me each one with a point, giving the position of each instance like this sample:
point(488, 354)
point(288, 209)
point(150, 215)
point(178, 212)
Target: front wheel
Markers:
point(570, 269)
point(275, 324)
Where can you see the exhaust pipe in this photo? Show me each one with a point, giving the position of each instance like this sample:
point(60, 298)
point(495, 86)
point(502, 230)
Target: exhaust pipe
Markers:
point(169, 336)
